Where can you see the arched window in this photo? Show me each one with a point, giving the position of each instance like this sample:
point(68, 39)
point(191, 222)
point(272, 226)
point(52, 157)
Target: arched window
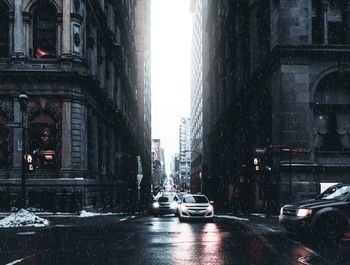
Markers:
point(332, 113)
point(4, 30)
point(4, 143)
point(44, 30)
point(42, 141)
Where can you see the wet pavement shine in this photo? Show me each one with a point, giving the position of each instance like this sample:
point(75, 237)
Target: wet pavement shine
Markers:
point(159, 240)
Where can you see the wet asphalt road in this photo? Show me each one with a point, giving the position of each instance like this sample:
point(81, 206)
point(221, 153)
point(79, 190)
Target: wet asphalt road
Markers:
point(164, 240)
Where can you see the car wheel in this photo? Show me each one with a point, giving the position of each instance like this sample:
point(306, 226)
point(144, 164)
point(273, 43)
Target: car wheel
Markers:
point(330, 227)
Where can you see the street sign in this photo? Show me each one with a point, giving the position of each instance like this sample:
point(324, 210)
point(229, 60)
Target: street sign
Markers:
point(11, 125)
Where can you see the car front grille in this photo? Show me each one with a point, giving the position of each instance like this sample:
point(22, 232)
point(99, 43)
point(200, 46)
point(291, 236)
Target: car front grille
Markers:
point(197, 211)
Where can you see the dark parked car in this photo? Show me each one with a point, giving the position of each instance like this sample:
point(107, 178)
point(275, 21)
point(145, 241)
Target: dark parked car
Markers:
point(327, 216)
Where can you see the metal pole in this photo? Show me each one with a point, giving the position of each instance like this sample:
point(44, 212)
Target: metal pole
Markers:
point(23, 172)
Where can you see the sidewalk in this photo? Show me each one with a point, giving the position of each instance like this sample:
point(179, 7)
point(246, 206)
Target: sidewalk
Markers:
point(68, 220)
point(19, 242)
point(256, 221)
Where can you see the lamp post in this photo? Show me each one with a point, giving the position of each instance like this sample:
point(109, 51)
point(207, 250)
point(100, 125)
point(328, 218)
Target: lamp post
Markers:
point(23, 102)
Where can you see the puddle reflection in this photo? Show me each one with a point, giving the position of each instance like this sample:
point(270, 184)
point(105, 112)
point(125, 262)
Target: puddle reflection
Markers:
point(198, 247)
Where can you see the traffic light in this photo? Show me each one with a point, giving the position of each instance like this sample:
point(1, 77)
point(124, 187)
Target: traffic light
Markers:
point(256, 163)
point(29, 160)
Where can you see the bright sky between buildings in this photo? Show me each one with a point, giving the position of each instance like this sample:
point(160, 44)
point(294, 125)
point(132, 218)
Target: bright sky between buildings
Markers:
point(171, 58)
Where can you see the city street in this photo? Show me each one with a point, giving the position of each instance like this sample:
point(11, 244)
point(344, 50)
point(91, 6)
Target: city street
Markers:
point(164, 240)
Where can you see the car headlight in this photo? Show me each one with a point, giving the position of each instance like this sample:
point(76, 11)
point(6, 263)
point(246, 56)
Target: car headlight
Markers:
point(183, 208)
point(210, 208)
point(173, 205)
point(156, 205)
point(281, 211)
point(304, 212)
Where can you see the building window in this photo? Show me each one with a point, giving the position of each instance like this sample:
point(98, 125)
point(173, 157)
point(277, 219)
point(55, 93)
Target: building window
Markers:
point(328, 22)
point(4, 31)
point(336, 22)
point(42, 142)
point(4, 144)
point(332, 114)
point(317, 22)
point(44, 30)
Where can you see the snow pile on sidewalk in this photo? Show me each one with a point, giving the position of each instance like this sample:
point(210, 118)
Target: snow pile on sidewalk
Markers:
point(23, 218)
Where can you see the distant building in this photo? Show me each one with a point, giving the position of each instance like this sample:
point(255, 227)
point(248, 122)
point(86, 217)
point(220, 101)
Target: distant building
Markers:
point(198, 8)
point(185, 152)
point(174, 169)
point(162, 166)
point(156, 163)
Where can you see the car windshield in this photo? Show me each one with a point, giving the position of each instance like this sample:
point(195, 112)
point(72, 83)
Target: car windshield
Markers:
point(195, 199)
point(164, 199)
point(338, 194)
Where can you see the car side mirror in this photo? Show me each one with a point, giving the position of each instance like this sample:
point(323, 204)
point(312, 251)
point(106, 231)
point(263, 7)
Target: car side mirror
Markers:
point(211, 202)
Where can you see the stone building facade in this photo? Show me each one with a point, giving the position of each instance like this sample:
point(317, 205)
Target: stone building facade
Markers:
point(278, 91)
point(76, 61)
point(198, 9)
point(143, 51)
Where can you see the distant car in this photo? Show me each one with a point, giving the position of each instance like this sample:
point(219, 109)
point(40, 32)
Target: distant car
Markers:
point(195, 206)
point(327, 216)
point(181, 194)
point(165, 204)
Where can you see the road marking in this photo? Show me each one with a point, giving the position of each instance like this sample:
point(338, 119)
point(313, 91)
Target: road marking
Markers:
point(25, 233)
point(268, 228)
point(15, 262)
point(232, 217)
point(25, 258)
point(127, 218)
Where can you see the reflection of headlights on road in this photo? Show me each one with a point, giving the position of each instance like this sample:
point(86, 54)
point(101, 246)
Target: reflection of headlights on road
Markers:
point(156, 205)
point(210, 208)
point(173, 205)
point(183, 208)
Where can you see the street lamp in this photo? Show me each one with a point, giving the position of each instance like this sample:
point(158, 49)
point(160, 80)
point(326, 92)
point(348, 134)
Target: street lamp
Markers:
point(23, 102)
